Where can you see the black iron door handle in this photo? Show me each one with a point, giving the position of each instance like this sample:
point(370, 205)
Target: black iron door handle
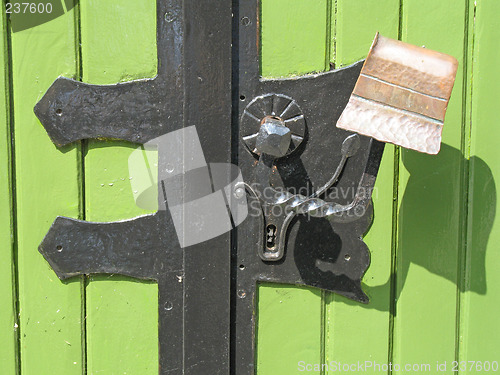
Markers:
point(311, 205)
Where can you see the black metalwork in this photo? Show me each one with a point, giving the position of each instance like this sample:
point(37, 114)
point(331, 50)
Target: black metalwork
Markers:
point(192, 66)
point(207, 292)
point(268, 107)
point(298, 249)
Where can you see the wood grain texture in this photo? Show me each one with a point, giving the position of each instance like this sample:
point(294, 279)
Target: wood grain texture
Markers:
point(480, 334)
point(289, 328)
point(356, 332)
point(294, 41)
point(356, 25)
point(8, 319)
point(294, 37)
point(118, 44)
point(431, 209)
point(47, 185)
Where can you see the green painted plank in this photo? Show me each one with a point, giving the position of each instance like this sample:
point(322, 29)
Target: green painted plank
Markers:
point(8, 319)
point(118, 44)
point(481, 327)
point(357, 332)
point(294, 41)
point(294, 37)
point(357, 23)
point(333, 12)
point(289, 329)
point(431, 210)
point(47, 185)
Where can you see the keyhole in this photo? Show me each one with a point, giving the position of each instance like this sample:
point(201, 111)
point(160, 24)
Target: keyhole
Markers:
point(271, 236)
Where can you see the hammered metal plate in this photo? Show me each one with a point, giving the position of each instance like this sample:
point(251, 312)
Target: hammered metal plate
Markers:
point(401, 95)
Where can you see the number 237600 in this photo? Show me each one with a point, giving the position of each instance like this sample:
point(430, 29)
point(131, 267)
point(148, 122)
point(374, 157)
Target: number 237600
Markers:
point(32, 8)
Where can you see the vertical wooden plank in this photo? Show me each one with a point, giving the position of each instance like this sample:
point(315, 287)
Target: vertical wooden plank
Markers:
point(481, 327)
point(118, 44)
point(294, 37)
point(430, 237)
point(289, 328)
point(8, 319)
point(294, 41)
point(357, 23)
point(356, 332)
point(47, 185)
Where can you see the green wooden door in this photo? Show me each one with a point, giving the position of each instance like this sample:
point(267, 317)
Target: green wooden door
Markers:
point(433, 281)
